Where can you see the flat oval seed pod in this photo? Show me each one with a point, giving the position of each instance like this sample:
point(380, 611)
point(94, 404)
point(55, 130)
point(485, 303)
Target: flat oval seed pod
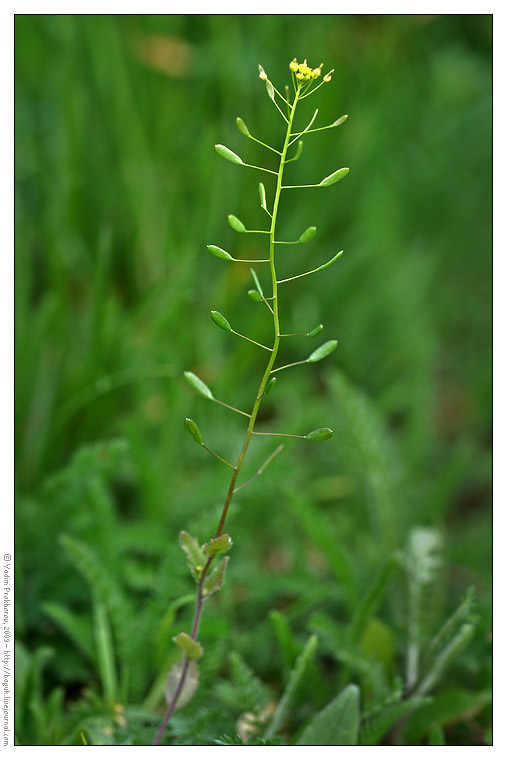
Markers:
point(328, 263)
point(219, 253)
point(228, 154)
point(269, 386)
point(334, 177)
point(221, 321)
point(215, 579)
point(193, 430)
point(270, 90)
point(321, 434)
point(315, 331)
point(218, 545)
point(257, 283)
point(191, 683)
point(190, 648)
point(197, 385)
point(340, 120)
point(235, 223)
point(242, 127)
point(262, 196)
point(299, 150)
point(254, 296)
point(307, 235)
point(322, 351)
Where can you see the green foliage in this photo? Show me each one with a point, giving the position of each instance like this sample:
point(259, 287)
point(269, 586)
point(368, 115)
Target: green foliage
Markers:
point(244, 692)
point(112, 280)
point(293, 684)
point(337, 724)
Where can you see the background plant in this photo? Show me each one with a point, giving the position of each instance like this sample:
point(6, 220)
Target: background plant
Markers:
point(109, 251)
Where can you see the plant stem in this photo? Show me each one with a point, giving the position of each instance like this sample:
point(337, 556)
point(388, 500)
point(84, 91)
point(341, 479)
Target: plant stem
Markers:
point(253, 416)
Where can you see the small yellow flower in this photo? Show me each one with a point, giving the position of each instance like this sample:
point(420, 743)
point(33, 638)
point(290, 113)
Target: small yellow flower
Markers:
point(303, 72)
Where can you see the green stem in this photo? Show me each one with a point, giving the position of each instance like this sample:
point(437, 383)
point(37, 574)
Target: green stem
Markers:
point(255, 409)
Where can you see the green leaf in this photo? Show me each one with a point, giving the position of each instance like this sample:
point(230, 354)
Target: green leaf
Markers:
point(218, 545)
point(197, 385)
point(449, 706)
point(75, 626)
point(228, 154)
point(191, 683)
point(242, 127)
point(340, 120)
point(254, 295)
point(219, 253)
point(321, 434)
point(295, 679)
point(215, 579)
point(190, 648)
point(334, 177)
point(221, 321)
point(243, 691)
point(269, 386)
point(367, 606)
point(235, 223)
point(257, 283)
point(307, 235)
point(457, 643)
point(337, 724)
point(262, 196)
point(322, 351)
point(373, 729)
point(316, 331)
point(193, 430)
point(196, 556)
point(105, 652)
point(436, 735)
point(328, 263)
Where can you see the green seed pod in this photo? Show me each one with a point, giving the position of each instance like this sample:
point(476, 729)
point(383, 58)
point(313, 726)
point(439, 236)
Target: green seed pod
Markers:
point(219, 253)
point(215, 579)
point(270, 90)
point(328, 263)
point(262, 196)
point(257, 283)
point(307, 235)
point(218, 545)
point(235, 223)
point(299, 150)
point(198, 385)
point(173, 683)
point(322, 351)
point(242, 127)
point(254, 296)
point(196, 556)
point(321, 434)
point(190, 648)
point(315, 331)
point(228, 154)
point(334, 177)
point(221, 321)
point(340, 120)
point(193, 430)
point(269, 386)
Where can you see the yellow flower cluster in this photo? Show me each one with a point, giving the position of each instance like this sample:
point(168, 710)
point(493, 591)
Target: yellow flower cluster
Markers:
point(304, 73)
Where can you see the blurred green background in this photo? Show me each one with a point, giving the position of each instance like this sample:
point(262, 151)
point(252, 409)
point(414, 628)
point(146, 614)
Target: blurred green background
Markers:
point(118, 191)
